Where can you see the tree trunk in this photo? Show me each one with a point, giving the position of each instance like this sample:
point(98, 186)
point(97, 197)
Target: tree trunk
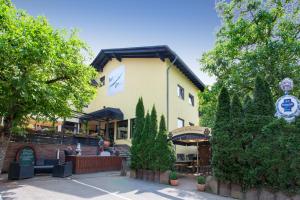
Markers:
point(4, 140)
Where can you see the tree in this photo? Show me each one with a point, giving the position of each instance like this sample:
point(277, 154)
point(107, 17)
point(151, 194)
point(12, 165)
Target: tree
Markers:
point(164, 148)
point(152, 154)
point(221, 137)
point(136, 139)
point(144, 144)
point(256, 37)
point(43, 71)
point(208, 100)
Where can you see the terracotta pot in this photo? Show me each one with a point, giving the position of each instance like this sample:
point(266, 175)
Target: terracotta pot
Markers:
point(174, 182)
point(201, 187)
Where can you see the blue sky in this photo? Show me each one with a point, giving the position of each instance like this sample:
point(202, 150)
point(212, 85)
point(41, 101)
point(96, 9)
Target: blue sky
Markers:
point(186, 26)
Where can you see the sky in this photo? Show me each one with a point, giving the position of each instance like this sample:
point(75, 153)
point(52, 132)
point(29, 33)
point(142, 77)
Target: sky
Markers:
point(188, 27)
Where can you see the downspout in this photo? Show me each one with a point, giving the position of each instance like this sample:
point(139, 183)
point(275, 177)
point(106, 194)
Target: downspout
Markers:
point(168, 69)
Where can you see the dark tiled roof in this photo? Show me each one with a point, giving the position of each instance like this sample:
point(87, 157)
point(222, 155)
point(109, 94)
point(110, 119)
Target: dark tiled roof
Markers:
point(161, 52)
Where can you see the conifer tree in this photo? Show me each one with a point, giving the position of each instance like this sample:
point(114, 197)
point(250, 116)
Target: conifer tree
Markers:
point(136, 139)
point(143, 153)
point(262, 98)
point(164, 148)
point(221, 137)
point(235, 146)
point(151, 138)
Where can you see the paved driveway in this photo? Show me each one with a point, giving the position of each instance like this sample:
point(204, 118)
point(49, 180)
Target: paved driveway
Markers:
point(108, 185)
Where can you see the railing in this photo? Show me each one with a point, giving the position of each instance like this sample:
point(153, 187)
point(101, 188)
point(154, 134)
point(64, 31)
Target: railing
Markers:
point(54, 138)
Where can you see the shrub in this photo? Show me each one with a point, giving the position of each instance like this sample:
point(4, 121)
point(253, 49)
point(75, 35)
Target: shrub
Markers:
point(173, 175)
point(201, 180)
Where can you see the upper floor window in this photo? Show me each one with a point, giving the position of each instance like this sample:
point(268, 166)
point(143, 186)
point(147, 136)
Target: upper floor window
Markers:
point(180, 92)
point(102, 81)
point(191, 100)
point(180, 123)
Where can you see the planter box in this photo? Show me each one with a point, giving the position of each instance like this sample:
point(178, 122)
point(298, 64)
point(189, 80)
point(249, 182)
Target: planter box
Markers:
point(164, 177)
point(212, 184)
point(133, 173)
point(156, 176)
point(140, 174)
point(251, 194)
point(266, 195)
point(236, 191)
point(224, 189)
point(282, 196)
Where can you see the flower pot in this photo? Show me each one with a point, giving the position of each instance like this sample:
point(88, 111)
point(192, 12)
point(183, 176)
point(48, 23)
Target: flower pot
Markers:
point(201, 187)
point(174, 182)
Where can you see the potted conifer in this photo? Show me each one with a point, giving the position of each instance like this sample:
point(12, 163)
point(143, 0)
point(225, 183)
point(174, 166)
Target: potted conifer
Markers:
point(201, 183)
point(173, 179)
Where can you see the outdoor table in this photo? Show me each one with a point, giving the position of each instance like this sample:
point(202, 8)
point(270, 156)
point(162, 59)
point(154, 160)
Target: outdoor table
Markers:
point(181, 165)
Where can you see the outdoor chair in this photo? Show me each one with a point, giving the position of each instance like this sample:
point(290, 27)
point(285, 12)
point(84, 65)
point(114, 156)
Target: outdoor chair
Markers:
point(63, 170)
point(17, 171)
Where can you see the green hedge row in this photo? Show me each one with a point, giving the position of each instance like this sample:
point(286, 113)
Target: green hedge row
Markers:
point(252, 148)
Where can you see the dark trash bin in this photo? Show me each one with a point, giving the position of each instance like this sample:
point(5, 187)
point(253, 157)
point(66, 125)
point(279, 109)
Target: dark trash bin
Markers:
point(63, 170)
point(17, 171)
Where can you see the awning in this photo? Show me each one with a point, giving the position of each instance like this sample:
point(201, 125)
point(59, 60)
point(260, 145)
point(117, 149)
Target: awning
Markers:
point(191, 135)
point(104, 114)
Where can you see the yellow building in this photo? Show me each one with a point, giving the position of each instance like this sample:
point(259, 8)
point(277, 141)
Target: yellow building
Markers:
point(154, 73)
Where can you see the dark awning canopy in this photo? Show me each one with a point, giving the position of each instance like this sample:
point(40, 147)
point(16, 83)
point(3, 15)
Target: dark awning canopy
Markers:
point(190, 139)
point(104, 114)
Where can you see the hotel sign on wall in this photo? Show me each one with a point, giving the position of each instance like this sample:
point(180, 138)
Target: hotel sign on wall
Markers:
point(116, 81)
point(287, 106)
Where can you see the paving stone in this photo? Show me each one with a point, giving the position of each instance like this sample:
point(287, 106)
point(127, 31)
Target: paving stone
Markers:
point(266, 195)
point(224, 189)
point(251, 194)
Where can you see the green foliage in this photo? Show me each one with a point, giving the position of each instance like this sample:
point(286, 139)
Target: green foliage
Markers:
point(257, 150)
point(262, 98)
point(208, 100)
point(173, 175)
point(136, 139)
point(256, 37)
point(150, 149)
point(144, 144)
point(221, 136)
point(43, 71)
point(165, 154)
point(152, 152)
point(201, 180)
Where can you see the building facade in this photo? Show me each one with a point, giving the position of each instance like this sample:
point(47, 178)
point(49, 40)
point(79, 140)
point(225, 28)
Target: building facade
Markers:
point(157, 75)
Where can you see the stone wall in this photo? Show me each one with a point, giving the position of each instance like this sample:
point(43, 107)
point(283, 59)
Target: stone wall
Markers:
point(233, 190)
point(43, 151)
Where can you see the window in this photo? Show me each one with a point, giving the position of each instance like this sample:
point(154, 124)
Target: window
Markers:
point(191, 124)
point(180, 92)
point(191, 99)
point(102, 81)
point(132, 127)
point(180, 123)
point(122, 129)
